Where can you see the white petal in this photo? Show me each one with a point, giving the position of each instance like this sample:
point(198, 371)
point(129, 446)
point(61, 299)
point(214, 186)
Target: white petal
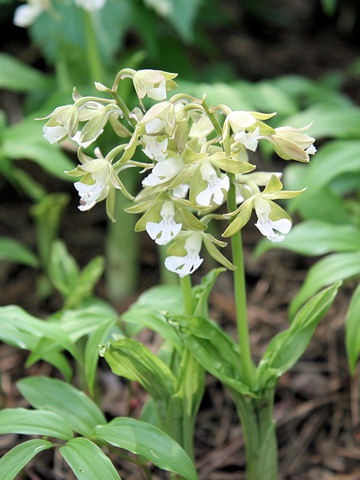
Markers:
point(90, 5)
point(158, 93)
point(153, 229)
point(204, 197)
point(54, 134)
point(154, 126)
point(283, 225)
point(25, 15)
point(311, 150)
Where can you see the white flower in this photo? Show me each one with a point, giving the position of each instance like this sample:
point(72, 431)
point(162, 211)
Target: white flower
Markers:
point(151, 83)
point(215, 187)
point(78, 138)
point(187, 264)
point(54, 134)
point(155, 150)
point(155, 125)
point(26, 14)
point(249, 140)
point(163, 171)
point(164, 231)
point(267, 226)
point(89, 193)
point(90, 5)
point(241, 120)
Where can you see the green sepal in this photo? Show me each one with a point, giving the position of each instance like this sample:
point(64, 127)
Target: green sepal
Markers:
point(273, 185)
point(232, 166)
point(151, 215)
point(263, 116)
point(288, 150)
point(219, 257)
point(285, 194)
point(189, 220)
point(242, 219)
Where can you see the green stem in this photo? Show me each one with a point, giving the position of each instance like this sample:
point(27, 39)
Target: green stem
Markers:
point(247, 364)
point(187, 295)
point(95, 66)
point(124, 108)
point(259, 434)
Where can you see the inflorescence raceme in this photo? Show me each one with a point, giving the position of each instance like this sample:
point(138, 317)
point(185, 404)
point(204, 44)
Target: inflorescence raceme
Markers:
point(194, 156)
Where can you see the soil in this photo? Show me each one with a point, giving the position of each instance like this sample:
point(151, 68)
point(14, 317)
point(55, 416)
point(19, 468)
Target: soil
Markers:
point(317, 402)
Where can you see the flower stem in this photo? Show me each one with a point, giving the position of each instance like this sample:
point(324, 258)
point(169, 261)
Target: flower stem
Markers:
point(247, 364)
point(95, 66)
point(187, 295)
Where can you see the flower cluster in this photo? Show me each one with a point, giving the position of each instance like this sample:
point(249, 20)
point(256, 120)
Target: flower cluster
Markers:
point(194, 159)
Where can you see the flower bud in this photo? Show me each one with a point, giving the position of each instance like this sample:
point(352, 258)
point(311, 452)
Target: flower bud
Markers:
point(290, 144)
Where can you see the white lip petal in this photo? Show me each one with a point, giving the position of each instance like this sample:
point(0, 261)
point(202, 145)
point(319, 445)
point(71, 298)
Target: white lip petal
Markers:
point(54, 134)
point(25, 15)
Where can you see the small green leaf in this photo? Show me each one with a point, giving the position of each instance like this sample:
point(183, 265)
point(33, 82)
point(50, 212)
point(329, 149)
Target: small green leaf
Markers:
point(217, 255)
point(88, 461)
point(201, 292)
point(70, 404)
point(353, 330)
point(148, 441)
point(14, 251)
point(132, 360)
point(287, 347)
point(34, 422)
point(315, 237)
point(86, 282)
point(63, 269)
point(15, 459)
point(339, 266)
point(19, 77)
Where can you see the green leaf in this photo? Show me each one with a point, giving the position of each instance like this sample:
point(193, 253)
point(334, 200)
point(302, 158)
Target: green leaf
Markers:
point(34, 422)
point(201, 292)
point(14, 460)
point(332, 160)
point(334, 121)
point(47, 214)
point(212, 348)
point(353, 330)
point(132, 360)
point(184, 18)
point(288, 346)
point(22, 322)
point(148, 311)
point(98, 337)
point(15, 251)
point(339, 266)
point(86, 282)
point(58, 397)
point(25, 141)
point(63, 269)
point(315, 238)
point(88, 461)
point(148, 441)
point(84, 321)
point(17, 76)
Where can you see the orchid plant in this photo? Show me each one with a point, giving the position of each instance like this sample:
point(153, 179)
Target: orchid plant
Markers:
point(195, 162)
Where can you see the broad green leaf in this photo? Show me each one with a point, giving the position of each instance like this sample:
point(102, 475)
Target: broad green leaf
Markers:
point(88, 461)
point(15, 459)
point(134, 361)
point(23, 322)
point(25, 141)
point(316, 238)
point(183, 18)
point(353, 330)
point(332, 160)
point(59, 361)
point(148, 310)
point(287, 347)
point(148, 441)
point(212, 348)
point(15, 251)
point(91, 357)
point(34, 422)
point(70, 404)
point(339, 266)
point(17, 76)
point(84, 321)
point(332, 121)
